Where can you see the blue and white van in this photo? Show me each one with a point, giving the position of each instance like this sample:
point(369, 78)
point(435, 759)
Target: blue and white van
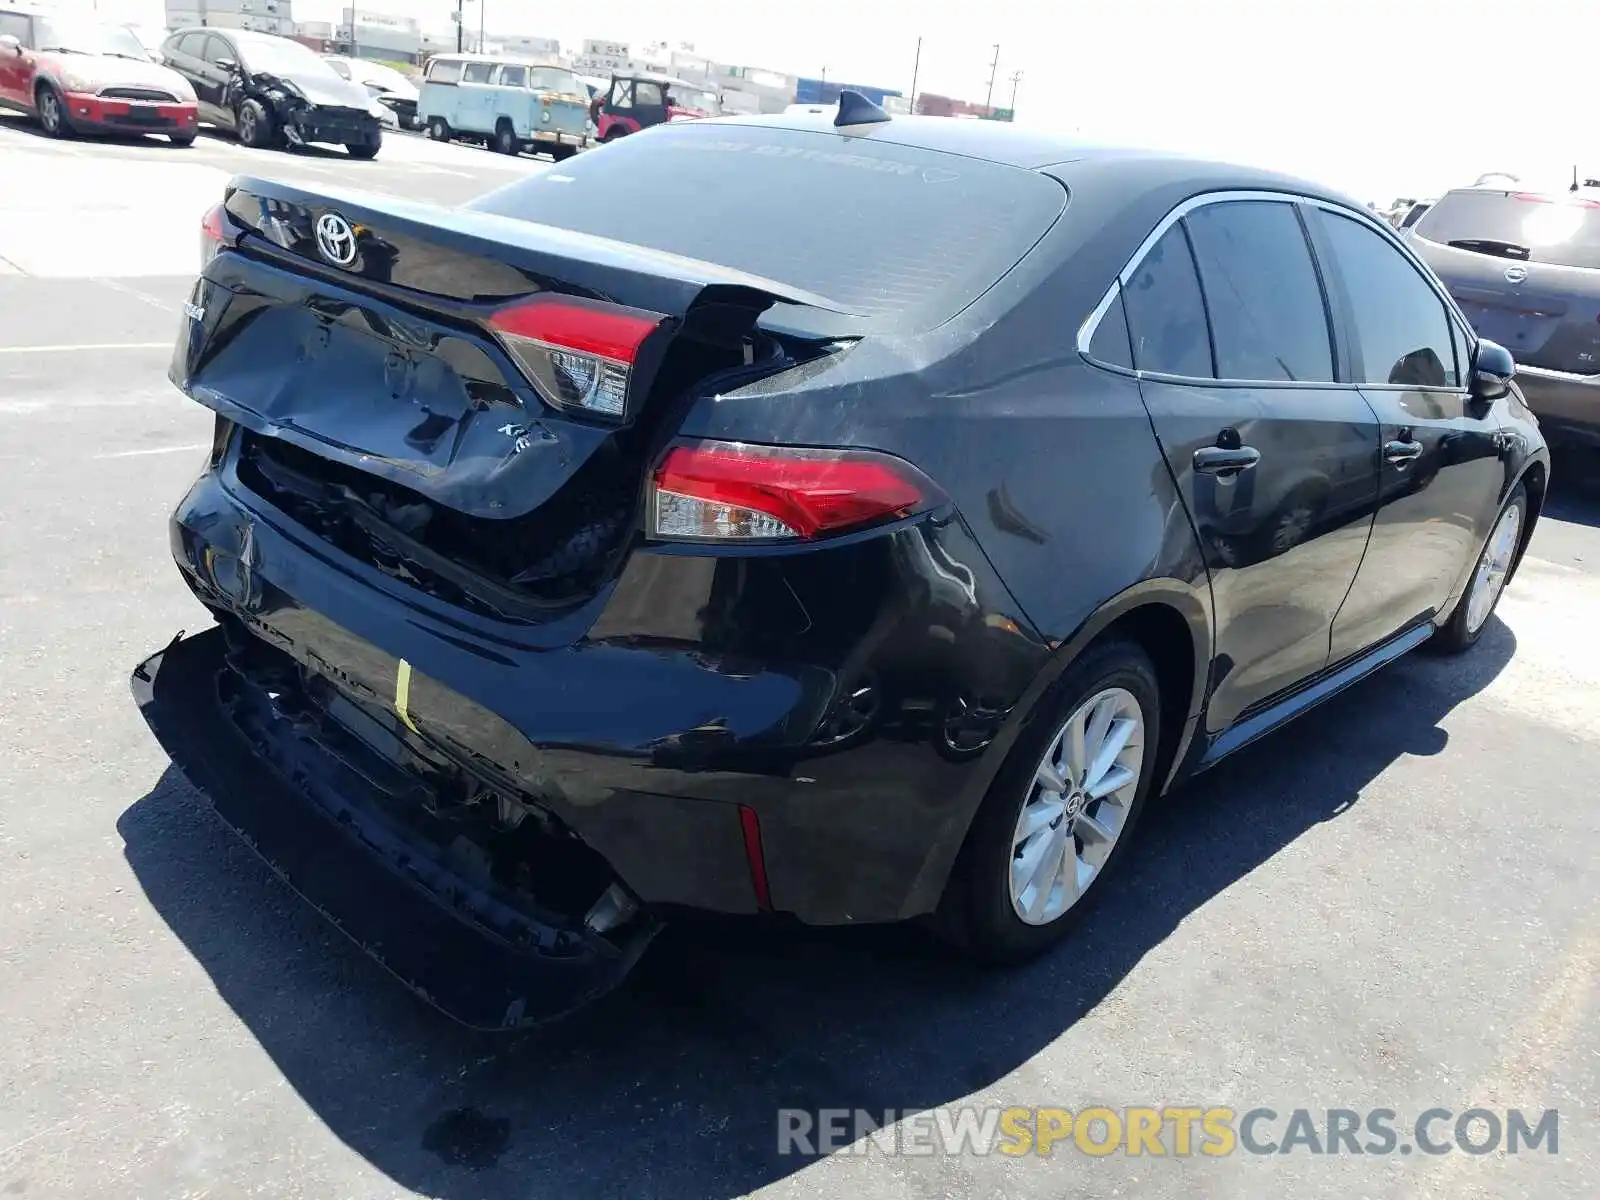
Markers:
point(508, 104)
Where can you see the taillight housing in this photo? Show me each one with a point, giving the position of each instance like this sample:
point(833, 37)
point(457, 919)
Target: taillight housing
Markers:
point(212, 234)
point(730, 492)
point(581, 355)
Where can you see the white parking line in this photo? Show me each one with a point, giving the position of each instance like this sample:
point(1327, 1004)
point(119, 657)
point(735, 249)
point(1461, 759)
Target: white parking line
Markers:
point(167, 345)
point(188, 446)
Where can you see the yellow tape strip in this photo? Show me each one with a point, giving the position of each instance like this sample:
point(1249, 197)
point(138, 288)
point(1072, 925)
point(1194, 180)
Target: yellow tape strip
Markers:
point(402, 695)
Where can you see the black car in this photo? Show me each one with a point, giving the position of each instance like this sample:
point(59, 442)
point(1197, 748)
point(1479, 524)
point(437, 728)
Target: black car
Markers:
point(271, 90)
point(1525, 268)
point(862, 531)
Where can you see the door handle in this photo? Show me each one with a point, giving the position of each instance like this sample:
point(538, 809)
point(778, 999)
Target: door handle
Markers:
point(1225, 461)
point(1402, 453)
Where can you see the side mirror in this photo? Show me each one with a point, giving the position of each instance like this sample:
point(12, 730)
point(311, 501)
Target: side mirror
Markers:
point(1493, 369)
point(227, 64)
point(11, 43)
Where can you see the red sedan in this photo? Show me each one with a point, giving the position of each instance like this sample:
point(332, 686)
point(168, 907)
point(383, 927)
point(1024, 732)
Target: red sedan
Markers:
point(79, 76)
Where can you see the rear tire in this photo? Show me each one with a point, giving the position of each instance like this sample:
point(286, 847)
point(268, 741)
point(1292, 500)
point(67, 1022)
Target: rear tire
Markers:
point(255, 126)
point(1111, 691)
point(181, 139)
point(439, 129)
point(614, 133)
point(562, 153)
point(1489, 573)
point(505, 139)
point(52, 110)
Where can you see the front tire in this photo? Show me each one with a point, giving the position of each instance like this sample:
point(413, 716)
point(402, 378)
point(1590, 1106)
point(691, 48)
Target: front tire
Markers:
point(255, 126)
point(52, 111)
point(1489, 574)
point(505, 140)
point(1061, 812)
point(366, 150)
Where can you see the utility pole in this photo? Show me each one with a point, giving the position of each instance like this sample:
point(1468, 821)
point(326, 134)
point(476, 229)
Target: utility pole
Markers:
point(916, 66)
point(1016, 78)
point(482, 7)
point(355, 49)
point(459, 30)
point(988, 100)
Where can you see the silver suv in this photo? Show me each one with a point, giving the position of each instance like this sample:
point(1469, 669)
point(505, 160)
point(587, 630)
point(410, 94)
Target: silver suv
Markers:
point(1525, 266)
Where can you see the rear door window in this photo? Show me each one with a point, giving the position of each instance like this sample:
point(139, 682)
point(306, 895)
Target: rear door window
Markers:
point(1166, 314)
point(1402, 328)
point(875, 228)
point(647, 95)
point(1110, 343)
point(1557, 229)
point(193, 45)
point(1269, 320)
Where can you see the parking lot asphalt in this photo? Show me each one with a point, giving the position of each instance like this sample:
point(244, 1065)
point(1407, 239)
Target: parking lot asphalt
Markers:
point(1394, 903)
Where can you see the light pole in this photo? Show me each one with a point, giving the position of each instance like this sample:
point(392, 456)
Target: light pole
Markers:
point(916, 66)
point(1016, 78)
point(988, 99)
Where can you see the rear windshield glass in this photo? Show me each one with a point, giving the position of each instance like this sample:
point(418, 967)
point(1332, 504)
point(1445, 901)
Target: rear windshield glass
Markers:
point(1563, 230)
point(879, 229)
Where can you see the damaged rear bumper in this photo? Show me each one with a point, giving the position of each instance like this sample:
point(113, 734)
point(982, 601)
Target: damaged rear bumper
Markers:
point(314, 812)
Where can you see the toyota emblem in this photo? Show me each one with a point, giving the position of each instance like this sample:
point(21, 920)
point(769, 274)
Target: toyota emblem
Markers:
point(1516, 274)
point(336, 241)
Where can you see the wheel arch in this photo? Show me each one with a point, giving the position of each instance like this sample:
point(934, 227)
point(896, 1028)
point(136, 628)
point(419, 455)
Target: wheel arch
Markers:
point(1167, 618)
point(1535, 478)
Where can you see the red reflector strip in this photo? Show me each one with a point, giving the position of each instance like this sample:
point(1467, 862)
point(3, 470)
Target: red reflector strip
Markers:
point(751, 825)
point(585, 326)
point(811, 491)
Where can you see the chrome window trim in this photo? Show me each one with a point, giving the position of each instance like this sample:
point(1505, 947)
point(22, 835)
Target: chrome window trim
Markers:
point(1086, 331)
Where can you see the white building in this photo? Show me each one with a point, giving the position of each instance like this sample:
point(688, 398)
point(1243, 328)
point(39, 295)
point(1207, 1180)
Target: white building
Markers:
point(263, 16)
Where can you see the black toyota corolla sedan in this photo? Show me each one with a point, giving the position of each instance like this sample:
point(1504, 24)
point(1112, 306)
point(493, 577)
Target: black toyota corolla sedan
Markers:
point(855, 523)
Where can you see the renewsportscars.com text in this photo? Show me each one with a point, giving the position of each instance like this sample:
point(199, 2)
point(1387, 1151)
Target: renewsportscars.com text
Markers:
point(1177, 1131)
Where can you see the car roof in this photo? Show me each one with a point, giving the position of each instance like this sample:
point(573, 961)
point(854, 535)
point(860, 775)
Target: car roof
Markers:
point(499, 58)
point(1031, 149)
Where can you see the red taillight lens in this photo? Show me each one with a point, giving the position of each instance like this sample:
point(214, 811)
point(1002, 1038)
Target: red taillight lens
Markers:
point(211, 235)
point(580, 354)
point(731, 491)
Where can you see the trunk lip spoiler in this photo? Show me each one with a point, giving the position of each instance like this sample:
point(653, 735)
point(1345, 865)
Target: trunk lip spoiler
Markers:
point(495, 234)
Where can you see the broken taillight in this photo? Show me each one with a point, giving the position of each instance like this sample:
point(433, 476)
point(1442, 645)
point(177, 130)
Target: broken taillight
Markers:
point(211, 235)
point(580, 354)
point(733, 491)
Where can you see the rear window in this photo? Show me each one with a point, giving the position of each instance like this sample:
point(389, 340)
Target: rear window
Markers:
point(1556, 229)
point(446, 71)
point(881, 229)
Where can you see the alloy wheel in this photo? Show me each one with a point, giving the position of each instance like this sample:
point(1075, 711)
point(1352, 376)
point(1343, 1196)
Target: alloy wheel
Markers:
point(49, 111)
point(1490, 578)
point(247, 126)
point(1077, 805)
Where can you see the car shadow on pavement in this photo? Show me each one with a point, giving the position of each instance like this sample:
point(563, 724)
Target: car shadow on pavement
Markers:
point(671, 1086)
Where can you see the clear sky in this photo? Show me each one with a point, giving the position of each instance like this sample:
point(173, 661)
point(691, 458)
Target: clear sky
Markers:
point(1378, 97)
